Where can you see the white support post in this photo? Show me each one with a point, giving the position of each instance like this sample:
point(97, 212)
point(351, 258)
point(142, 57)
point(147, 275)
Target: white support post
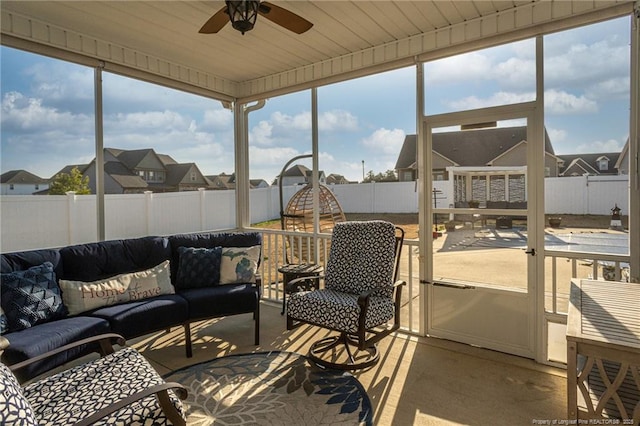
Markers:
point(425, 220)
point(634, 149)
point(314, 173)
point(71, 216)
point(201, 192)
point(99, 153)
point(148, 207)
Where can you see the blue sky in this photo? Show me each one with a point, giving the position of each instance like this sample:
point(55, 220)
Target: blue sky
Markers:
point(47, 109)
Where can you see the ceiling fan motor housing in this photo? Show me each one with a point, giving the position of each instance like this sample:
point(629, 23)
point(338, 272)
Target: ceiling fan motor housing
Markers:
point(243, 14)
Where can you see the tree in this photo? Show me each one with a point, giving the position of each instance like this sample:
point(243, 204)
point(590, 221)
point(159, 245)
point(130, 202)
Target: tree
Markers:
point(388, 176)
point(72, 181)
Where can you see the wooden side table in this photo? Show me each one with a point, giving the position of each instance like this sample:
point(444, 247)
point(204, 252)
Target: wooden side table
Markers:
point(603, 350)
point(292, 271)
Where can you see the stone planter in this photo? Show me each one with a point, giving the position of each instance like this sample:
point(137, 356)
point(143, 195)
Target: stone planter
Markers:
point(450, 226)
point(554, 222)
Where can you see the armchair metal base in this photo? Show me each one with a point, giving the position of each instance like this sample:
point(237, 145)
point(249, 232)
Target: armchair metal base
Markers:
point(329, 347)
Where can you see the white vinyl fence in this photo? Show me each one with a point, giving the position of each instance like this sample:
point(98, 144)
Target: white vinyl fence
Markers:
point(28, 221)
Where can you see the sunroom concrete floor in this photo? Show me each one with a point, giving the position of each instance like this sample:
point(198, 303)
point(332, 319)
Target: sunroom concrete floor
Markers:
point(418, 381)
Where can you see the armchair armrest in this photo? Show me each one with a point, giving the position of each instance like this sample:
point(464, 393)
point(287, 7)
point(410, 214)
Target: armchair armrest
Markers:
point(258, 283)
point(103, 339)
point(163, 398)
point(291, 285)
point(363, 298)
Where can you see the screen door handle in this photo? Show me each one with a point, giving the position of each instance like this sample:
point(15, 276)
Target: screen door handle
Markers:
point(532, 252)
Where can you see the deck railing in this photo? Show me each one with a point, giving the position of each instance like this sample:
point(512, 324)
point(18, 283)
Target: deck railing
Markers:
point(583, 265)
point(283, 247)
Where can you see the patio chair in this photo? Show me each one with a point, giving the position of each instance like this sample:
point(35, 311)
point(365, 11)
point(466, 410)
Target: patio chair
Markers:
point(118, 388)
point(361, 295)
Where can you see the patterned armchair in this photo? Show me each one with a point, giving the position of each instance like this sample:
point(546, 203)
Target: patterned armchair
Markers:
point(361, 295)
point(118, 388)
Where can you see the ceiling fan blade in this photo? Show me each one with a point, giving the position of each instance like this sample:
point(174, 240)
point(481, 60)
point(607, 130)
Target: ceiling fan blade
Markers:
point(216, 22)
point(284, 18)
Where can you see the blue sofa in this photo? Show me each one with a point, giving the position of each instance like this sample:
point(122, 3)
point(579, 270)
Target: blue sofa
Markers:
point(101, 260)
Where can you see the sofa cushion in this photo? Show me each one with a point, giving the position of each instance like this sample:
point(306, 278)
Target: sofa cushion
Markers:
point(220, 300)
point(198, 267)
point(80, 296)
point(137, 318)
point(35, 341)
point(239, 264)
point(22, 260)
point(31, 297)
point(16, 409)
point(94, 261)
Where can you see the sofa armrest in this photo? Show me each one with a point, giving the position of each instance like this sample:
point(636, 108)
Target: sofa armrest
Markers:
point(160, 390)
point(4, 343)
point(104, 340)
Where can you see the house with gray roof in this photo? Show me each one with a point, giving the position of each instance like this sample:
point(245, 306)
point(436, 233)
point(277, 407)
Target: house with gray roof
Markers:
point(140, 170)
point(225, 181)
point(21, 182)
point(594, 164)
point(336, 179)
point(485, 147)
point(300, 175)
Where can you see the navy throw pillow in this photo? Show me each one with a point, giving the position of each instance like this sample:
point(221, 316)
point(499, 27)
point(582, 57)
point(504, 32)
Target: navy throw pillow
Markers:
point(31, 297)
point(198, 267)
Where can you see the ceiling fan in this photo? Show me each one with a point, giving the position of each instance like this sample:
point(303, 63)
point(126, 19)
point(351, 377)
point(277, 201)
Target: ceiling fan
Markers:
point(243, 13)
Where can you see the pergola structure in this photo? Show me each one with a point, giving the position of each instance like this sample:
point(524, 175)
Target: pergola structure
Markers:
point(159, 42)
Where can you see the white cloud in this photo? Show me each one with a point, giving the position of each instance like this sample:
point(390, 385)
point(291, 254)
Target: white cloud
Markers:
point(556, 135)
point(271, 156)
point(560, 102)
point(470, 66)
point(261, 134)
point(337, 120)
point(385, 142)
point(612, 88)
point(499, 98)
point(283, 128)
point(328, 121)
point(516, 73)
point(610, 145)
point(590, 67)
point(217, 119)
point(156, 121)
point(29, 114)
point(59, 81)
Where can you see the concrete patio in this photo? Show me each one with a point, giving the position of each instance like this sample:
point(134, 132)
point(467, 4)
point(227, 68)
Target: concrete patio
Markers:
point(418, 381)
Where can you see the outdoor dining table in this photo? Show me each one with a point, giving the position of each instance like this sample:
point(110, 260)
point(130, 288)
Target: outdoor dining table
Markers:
point(603, 350)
